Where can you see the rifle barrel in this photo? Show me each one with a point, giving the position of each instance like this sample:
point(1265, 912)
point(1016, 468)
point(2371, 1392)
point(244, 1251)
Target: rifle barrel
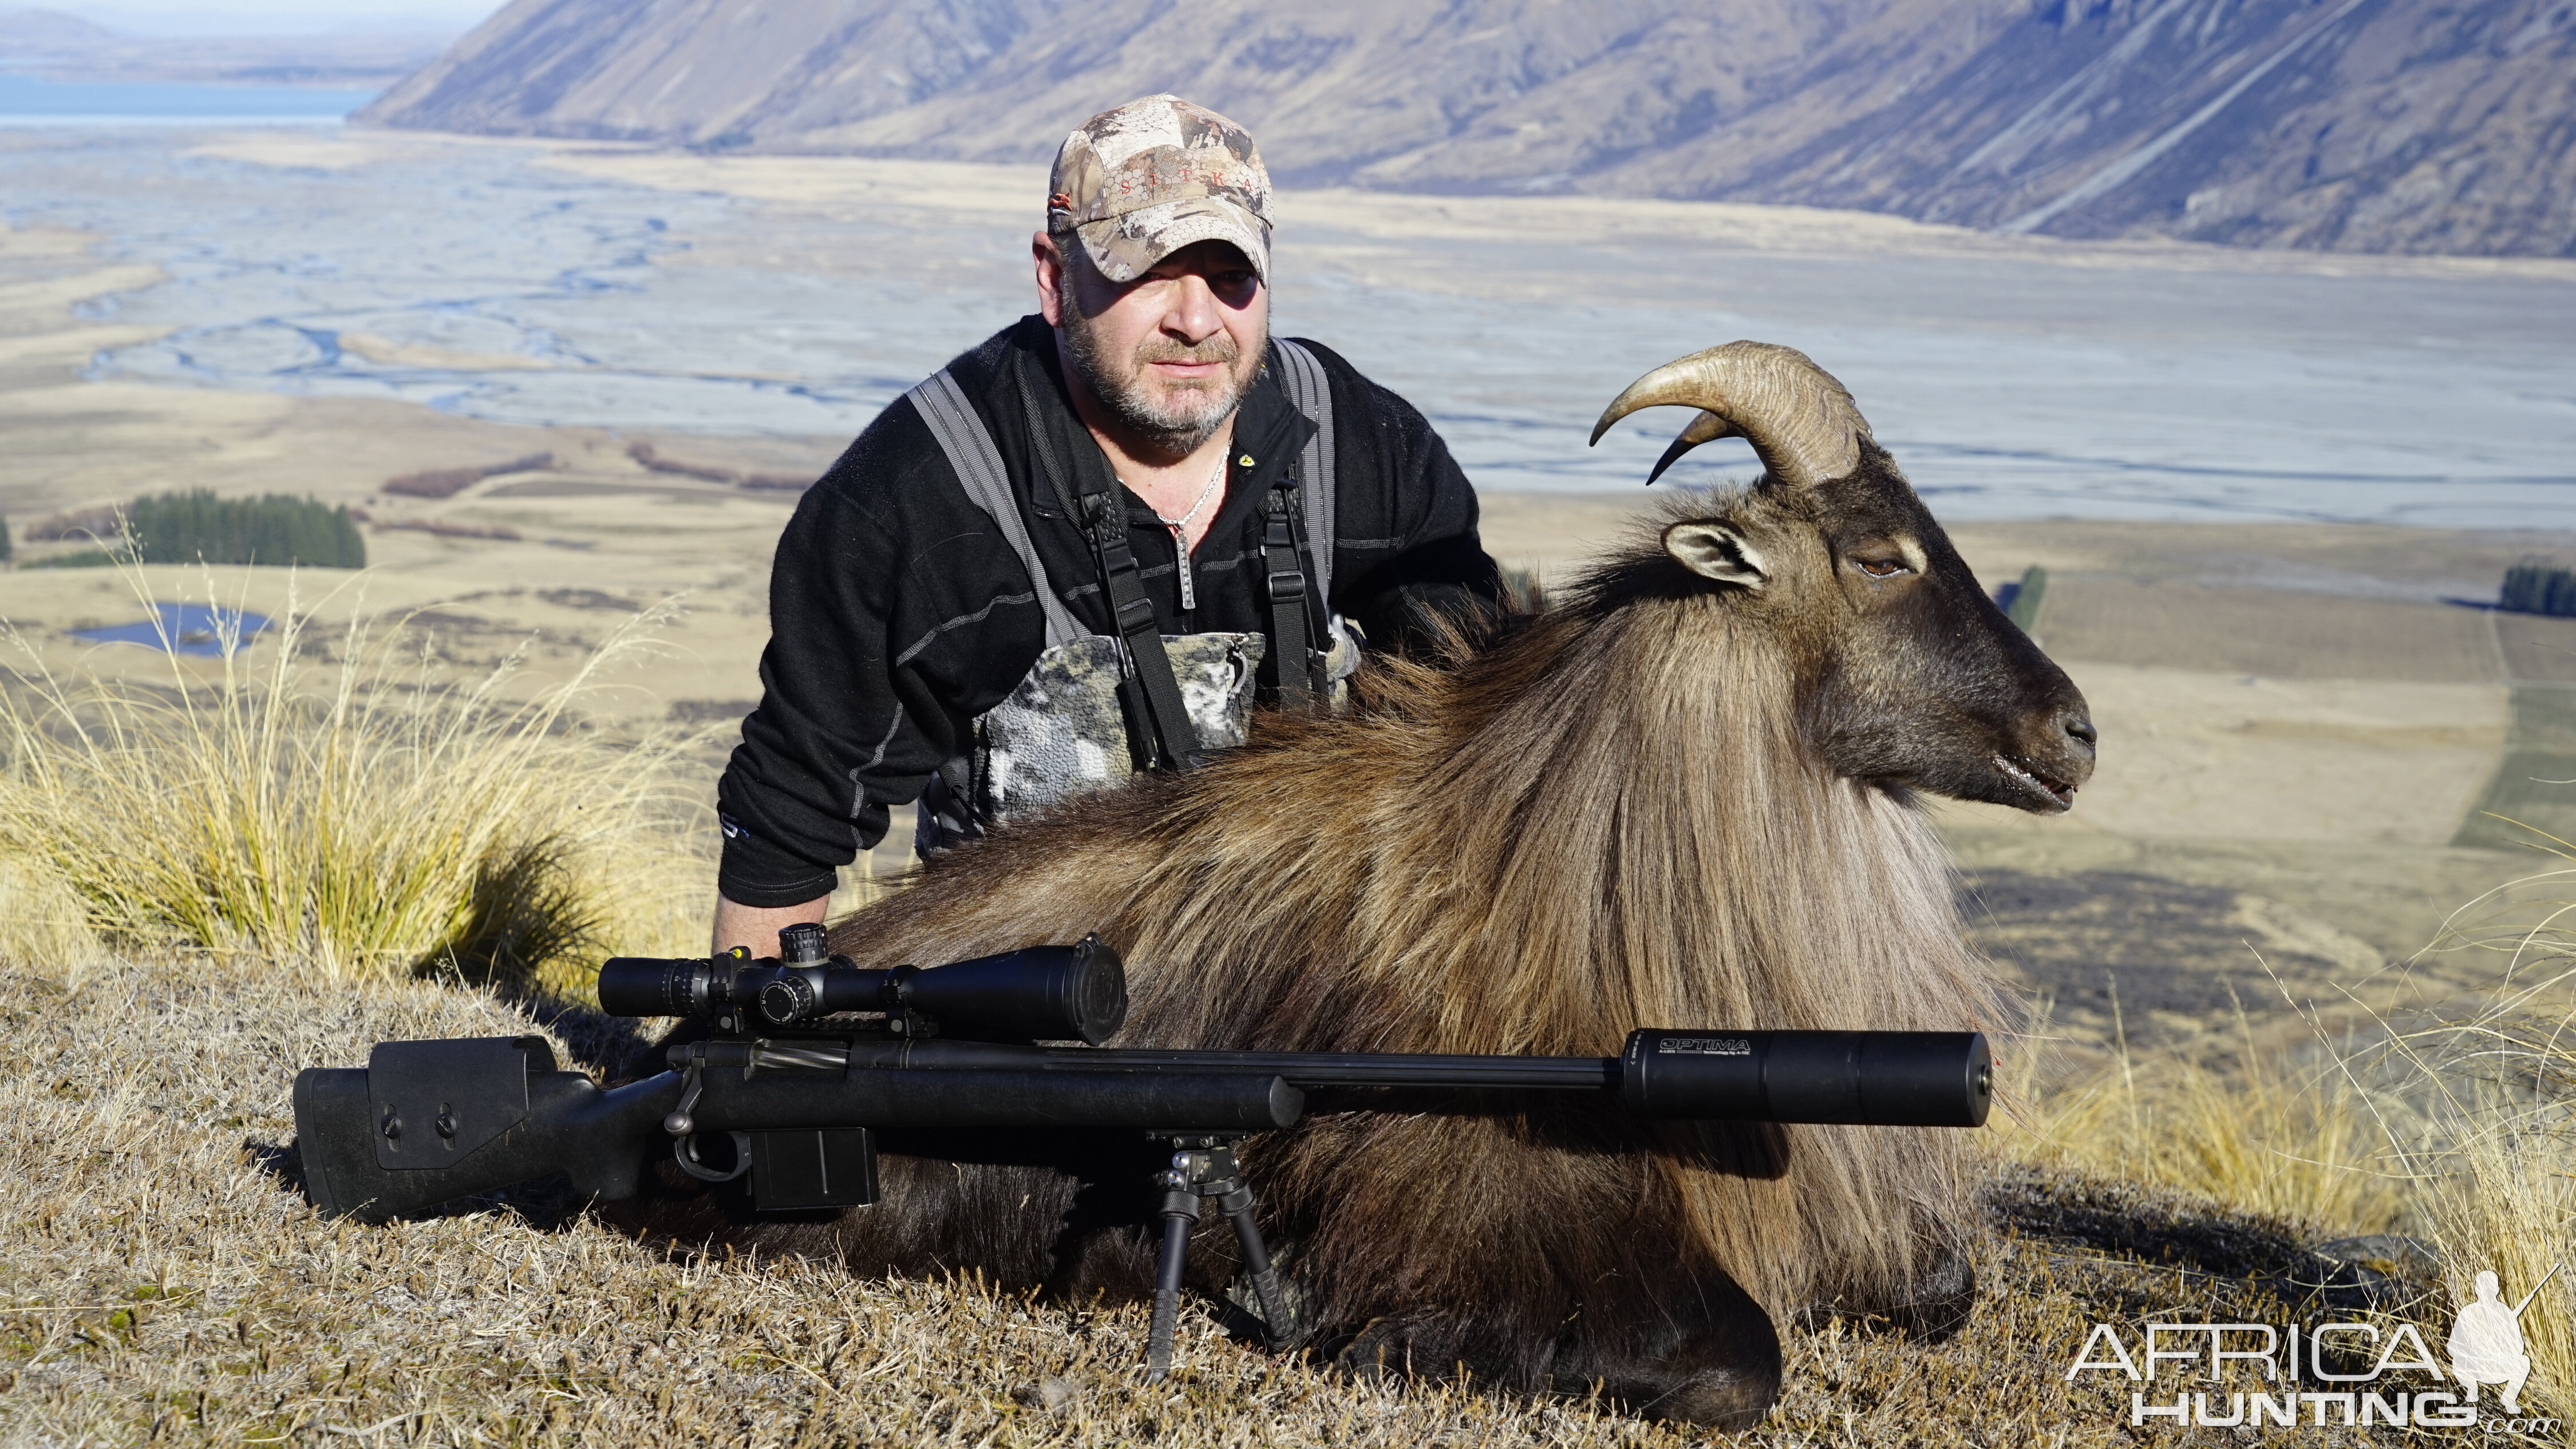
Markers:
point(1915, 1079)
point(1306, 1071)
point(1312, 1070)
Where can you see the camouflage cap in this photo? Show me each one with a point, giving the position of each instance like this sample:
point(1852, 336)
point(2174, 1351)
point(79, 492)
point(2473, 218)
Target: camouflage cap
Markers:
point(1143, 181)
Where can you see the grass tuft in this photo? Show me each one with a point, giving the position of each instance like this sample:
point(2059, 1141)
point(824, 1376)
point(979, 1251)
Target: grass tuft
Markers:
point(345, 802)
point(2307, 1145)
point(42, 920)
point(2497, 1087)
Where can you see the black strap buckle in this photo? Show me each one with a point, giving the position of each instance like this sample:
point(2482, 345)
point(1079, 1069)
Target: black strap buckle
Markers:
point(1291, 631)
point(1136, 616)
point(1103, 520)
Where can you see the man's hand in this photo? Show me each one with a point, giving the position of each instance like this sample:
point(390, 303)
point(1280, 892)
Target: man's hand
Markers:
point(758, 926)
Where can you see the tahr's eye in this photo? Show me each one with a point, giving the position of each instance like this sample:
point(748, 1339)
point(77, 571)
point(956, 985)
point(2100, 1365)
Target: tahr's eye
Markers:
point(1881, 568)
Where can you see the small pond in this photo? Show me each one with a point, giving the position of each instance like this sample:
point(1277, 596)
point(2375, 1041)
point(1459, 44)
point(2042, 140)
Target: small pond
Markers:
point(184, 629)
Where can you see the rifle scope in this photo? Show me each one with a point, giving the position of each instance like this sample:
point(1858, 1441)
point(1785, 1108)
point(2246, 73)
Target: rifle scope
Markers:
point(1043, 993)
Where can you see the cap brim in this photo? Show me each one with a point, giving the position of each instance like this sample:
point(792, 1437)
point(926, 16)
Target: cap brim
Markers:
point(1126, 247)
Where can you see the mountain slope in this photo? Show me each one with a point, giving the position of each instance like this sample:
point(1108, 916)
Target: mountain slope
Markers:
point(2371, 125)
point(58, 46)
point(48, 32)
point(2355, 124)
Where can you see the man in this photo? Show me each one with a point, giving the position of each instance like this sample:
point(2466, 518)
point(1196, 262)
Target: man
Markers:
point(1058, 560)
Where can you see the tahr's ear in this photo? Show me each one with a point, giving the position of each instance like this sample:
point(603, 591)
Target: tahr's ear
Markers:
point(1713, 550)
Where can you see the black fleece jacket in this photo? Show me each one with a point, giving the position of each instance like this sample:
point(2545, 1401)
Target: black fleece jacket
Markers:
point(898, 612)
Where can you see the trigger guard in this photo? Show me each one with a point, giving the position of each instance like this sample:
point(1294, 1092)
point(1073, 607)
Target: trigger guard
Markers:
point(684, 1151)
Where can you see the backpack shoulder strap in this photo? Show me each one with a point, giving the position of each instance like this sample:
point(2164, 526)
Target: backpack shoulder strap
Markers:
point(1311, 393)
point(961, 435)
point(1159, 730)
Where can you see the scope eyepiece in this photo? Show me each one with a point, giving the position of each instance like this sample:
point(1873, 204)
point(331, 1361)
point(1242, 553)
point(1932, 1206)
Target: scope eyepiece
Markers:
point(654, 986)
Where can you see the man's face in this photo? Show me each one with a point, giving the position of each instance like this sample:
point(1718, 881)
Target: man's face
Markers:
point(1169, 354)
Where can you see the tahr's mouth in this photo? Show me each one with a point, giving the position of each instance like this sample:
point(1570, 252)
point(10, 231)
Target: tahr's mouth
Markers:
point(2058, 794)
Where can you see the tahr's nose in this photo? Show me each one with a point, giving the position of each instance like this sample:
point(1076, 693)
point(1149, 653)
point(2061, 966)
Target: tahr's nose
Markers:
point(2079, 727)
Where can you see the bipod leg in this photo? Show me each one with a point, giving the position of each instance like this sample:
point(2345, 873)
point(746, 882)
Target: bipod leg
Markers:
point(1234, 1199)
point(1180, 1184)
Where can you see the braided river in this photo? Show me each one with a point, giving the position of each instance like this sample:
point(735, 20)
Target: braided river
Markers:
point(535, 284)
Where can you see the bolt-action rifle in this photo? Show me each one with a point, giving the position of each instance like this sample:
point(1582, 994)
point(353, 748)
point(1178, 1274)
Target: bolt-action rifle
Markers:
point(800, 1060)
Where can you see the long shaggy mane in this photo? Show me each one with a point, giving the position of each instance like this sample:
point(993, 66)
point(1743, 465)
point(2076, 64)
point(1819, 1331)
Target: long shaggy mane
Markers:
point(1600, 818)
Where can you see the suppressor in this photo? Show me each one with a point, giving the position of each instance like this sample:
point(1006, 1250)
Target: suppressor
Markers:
point(1882, 1078)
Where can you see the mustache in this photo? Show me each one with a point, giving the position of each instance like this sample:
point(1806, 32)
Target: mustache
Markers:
point(1219, 348)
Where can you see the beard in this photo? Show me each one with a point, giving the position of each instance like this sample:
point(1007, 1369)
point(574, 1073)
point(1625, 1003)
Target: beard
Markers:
point(1173, 421)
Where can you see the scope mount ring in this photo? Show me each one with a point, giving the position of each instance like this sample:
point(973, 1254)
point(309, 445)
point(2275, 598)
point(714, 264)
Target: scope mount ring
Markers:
point(684, 1151)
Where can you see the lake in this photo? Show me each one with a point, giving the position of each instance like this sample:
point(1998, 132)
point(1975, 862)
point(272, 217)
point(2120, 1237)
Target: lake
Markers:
point(28, 100)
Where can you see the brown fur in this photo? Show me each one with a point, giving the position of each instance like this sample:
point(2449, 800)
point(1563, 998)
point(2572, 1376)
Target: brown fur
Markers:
point(1620, 813)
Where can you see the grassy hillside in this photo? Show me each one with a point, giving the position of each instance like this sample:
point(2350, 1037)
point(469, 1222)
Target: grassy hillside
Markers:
point(166, 1283)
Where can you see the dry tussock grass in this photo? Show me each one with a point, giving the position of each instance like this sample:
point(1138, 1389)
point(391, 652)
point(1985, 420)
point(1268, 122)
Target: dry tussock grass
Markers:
point(2251, 1130)
point(345, 802)
point(2485, 1101)
point(2456, 1124)
point(2493, 1104)
point(162, 1281)
point(2508, 1205)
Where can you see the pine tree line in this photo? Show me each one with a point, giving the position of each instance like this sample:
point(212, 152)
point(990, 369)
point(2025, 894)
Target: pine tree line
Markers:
point(274, 529)
point(2538, 586)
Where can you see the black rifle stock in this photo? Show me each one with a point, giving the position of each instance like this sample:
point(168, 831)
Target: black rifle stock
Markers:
point(810, 1056)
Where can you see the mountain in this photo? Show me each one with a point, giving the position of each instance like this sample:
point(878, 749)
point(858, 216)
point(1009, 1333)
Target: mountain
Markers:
point(67, 47)
point(38, 34)
point(2356, 125)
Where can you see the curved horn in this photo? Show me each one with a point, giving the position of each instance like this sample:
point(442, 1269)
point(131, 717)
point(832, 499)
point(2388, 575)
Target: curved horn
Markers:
point(1800, 421)
point(1706, 428)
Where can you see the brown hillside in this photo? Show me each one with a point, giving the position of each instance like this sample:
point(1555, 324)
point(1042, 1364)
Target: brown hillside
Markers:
point(2359, 125)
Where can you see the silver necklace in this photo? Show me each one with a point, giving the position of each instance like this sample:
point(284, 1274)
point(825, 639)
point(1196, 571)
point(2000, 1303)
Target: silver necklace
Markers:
point(1180, 536)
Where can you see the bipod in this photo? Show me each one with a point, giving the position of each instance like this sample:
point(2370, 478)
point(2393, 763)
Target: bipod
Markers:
point(1204, 1167)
